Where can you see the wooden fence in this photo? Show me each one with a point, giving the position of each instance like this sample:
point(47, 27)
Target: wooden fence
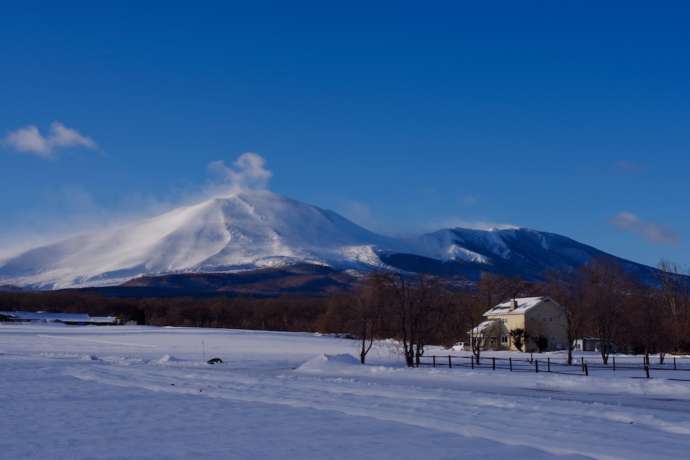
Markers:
point(643, 367)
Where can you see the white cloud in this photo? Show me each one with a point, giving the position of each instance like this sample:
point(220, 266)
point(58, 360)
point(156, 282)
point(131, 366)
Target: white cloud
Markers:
point(248, 172)
point(62, 136)
point(29, 139)
point(652, 231)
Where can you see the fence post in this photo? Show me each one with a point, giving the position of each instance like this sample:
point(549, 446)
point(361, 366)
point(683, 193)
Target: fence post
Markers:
point(536, 366)
point(433, 361)
point(510, 363)
point(531, 357)
point(548, 364)
point(493, 364)
point(646, 369)
point(582, 364)
point(614, 363)
point(674, 363)
point(450, 362)
point(472, 361)
point(586, 370)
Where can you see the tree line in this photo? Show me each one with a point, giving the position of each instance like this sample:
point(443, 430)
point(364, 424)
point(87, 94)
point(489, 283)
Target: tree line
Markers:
point(287, 313)
point(600, 300)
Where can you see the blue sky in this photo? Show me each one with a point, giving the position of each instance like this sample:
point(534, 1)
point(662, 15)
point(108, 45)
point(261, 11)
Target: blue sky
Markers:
point(561, 116)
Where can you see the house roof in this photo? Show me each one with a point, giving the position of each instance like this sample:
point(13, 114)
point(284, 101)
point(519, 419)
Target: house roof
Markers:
point(483, 326)
point(517, 306)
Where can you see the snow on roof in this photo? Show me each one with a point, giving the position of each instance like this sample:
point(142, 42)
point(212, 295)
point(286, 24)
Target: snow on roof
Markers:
point(517, 306)
point(483, 326)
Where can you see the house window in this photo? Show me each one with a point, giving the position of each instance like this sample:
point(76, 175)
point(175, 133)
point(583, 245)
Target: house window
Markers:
point(504, 339)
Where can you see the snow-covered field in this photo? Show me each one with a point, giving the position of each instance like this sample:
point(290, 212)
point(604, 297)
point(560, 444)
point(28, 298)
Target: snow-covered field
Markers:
point(142, 392)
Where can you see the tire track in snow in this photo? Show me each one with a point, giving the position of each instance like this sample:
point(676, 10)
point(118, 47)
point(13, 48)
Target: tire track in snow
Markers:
point(105, 342)
point(454, 411)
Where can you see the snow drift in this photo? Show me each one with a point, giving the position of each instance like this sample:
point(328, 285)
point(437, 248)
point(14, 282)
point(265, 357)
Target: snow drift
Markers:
point(324, 362)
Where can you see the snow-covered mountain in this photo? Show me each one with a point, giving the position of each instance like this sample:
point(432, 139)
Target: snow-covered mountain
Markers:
point(509, 251)
point(240, 231)
point(259, 229)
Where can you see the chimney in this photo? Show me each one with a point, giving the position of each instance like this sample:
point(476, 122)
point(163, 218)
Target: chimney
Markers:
point(515, 304)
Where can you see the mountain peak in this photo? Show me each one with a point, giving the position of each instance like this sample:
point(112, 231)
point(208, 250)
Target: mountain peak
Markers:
point(240, 230)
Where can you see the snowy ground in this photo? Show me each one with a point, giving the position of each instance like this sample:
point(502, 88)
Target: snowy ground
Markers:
point(140, 392)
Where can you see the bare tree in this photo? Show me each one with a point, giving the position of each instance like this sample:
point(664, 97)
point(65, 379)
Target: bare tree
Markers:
point(429, 305)
point(454, 318)
point(418, 307)
point(606, 288)
point(674, 294)
point(401, 310)
point(560, 287)
point(475, 314)
point(494, 289)
point(366, 310)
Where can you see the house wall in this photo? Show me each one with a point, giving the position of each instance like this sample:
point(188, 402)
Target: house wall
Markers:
point(547, 319)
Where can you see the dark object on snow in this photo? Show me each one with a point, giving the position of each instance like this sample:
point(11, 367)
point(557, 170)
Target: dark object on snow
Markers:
point(215, 361)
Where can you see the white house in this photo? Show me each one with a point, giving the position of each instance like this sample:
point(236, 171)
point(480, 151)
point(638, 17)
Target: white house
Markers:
point(541, 319)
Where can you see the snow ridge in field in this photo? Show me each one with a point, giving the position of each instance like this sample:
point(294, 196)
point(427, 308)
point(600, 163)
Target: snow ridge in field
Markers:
point(328, 362)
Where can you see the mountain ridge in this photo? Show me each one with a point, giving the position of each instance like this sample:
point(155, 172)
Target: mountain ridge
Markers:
point(251, 230)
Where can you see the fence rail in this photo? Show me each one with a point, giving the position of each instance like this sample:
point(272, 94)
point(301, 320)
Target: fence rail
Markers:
point(582, 366)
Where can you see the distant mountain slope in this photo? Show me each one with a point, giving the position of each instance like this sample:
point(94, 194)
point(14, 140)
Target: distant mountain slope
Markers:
point(511, 251)
point(255, 230)
point(300, 278)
